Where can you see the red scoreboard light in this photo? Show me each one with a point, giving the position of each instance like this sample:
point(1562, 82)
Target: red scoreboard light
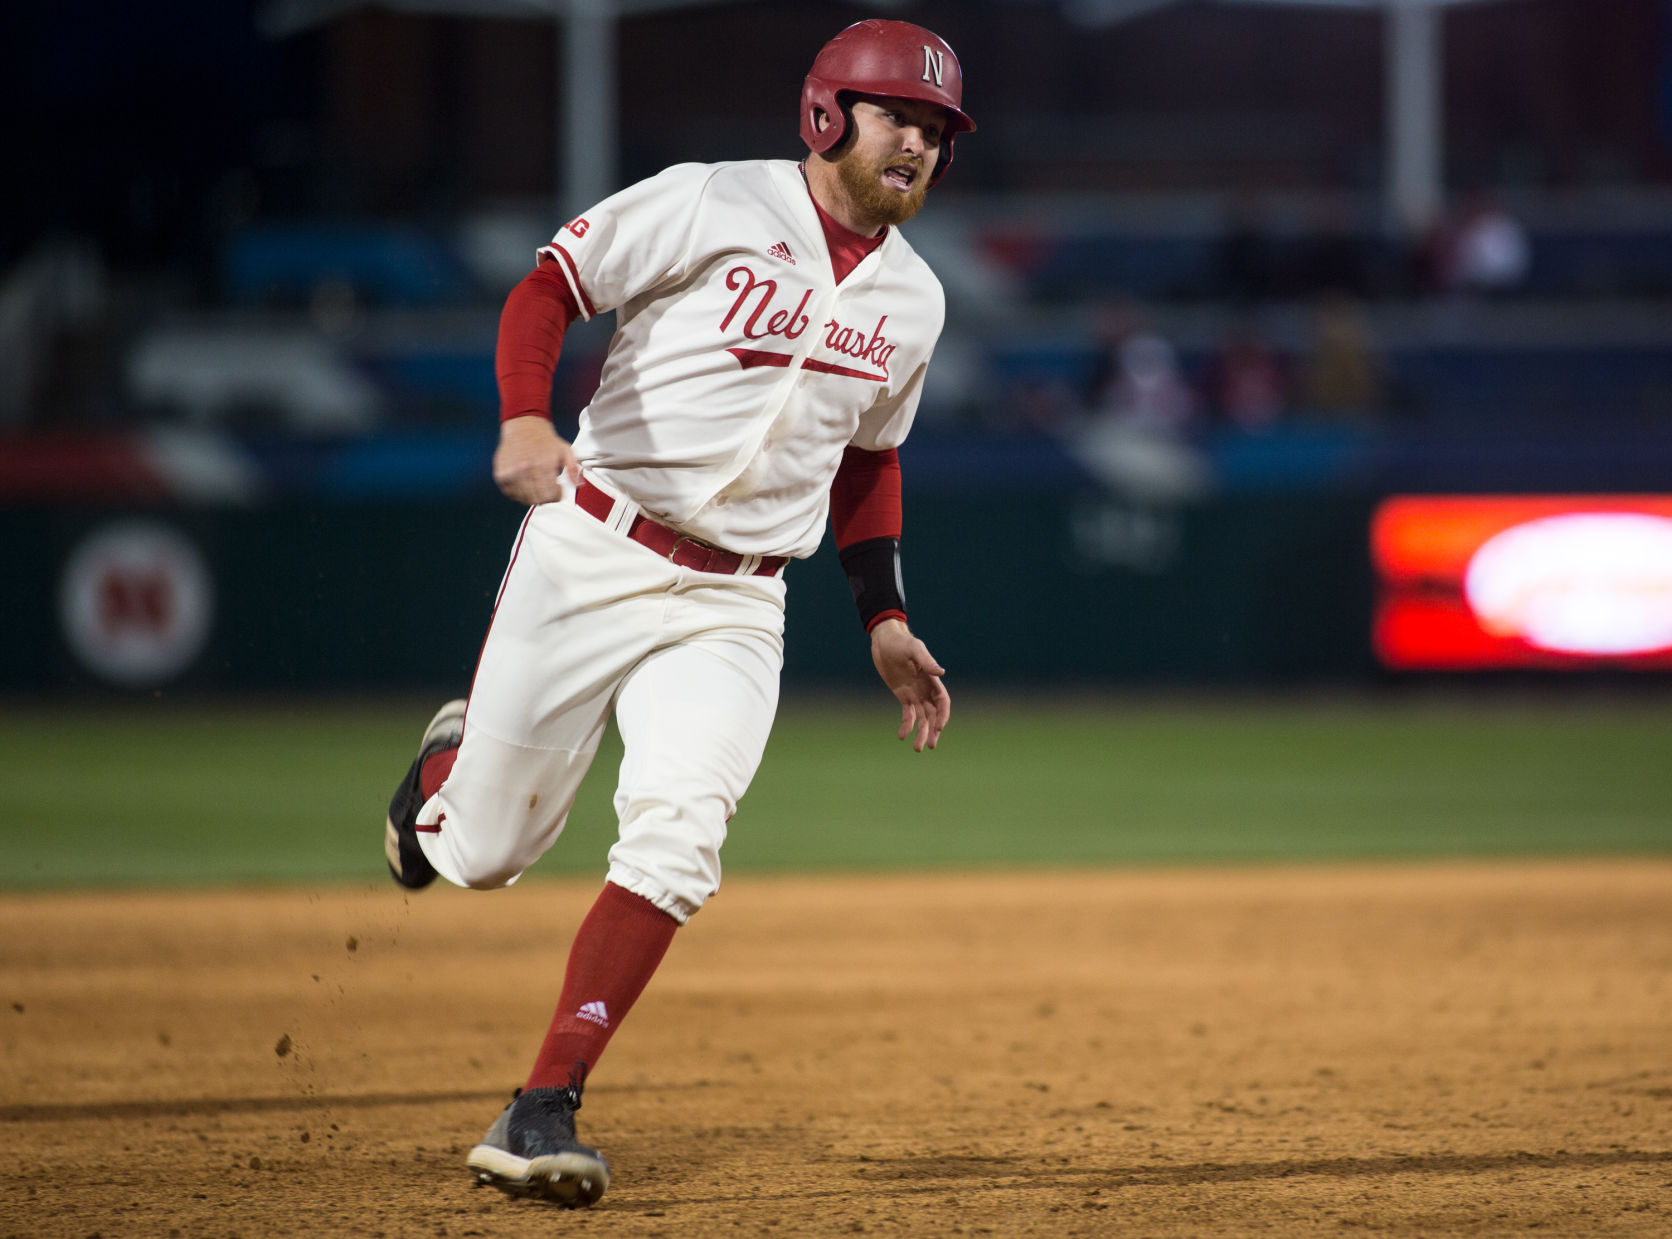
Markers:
point(1475, 582)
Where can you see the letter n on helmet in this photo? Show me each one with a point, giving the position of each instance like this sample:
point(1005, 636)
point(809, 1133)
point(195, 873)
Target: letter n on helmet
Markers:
point(890, 58)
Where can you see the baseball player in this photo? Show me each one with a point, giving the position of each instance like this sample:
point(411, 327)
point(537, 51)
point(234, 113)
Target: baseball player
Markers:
point(773, 329)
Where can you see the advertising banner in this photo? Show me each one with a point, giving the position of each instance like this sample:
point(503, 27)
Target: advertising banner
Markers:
point(1557, 582)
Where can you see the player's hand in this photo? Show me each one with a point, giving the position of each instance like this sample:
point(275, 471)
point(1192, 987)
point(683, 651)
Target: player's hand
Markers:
point(529, 459)
point(912, 675)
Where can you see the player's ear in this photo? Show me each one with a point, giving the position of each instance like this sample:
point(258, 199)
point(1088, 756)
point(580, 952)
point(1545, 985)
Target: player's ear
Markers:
point(821, 119)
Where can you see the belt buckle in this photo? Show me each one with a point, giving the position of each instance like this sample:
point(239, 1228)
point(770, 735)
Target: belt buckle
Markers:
point(705, 551)
point(708, 553)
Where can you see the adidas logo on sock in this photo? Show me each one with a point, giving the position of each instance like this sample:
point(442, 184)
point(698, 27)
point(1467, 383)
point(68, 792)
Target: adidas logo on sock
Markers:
point(596, 1012)
point(782, 251)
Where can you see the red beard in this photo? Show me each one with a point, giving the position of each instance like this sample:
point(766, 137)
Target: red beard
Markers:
point(862, 179)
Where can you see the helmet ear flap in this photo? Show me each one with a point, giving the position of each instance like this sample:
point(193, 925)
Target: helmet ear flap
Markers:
point(840, 128)
point(832, 125)
point(817, 97)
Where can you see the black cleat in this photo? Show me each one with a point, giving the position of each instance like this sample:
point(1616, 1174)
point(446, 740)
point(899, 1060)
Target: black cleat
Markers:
point(407, 863)
point(531, 1150)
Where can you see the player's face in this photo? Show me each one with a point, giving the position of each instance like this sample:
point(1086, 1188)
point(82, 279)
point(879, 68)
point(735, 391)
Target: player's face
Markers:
point(887, 165)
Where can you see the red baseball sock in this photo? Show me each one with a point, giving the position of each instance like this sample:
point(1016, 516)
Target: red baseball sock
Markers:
point(616, 950)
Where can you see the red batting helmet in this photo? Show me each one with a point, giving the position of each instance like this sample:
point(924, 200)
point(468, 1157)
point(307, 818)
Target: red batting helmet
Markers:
point(891, 58)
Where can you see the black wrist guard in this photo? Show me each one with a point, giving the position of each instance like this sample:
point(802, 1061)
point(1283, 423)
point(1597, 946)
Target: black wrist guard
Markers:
point(873, 569)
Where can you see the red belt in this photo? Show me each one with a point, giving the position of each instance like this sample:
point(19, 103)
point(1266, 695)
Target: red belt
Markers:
point(675, 547)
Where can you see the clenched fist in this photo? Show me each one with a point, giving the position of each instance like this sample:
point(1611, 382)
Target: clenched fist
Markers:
point(529, 460)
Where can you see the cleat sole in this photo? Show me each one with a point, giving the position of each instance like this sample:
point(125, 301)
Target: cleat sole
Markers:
point(572, 1180)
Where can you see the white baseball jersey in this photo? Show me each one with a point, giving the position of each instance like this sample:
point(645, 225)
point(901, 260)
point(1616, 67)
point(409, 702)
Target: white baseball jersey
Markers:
point(740, 369)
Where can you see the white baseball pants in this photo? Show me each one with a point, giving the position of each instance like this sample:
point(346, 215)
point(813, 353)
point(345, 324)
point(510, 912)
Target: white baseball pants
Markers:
point(588, 621)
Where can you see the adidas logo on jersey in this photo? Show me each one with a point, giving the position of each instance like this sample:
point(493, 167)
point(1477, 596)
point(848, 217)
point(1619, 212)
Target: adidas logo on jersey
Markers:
point(781, 251)
point(595, 1012)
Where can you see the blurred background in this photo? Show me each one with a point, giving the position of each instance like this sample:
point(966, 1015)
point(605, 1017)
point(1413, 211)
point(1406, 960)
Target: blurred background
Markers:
point(1322, 343)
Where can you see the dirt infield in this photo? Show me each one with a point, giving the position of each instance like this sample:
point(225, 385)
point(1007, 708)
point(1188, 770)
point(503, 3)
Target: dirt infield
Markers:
point(1414, 1050)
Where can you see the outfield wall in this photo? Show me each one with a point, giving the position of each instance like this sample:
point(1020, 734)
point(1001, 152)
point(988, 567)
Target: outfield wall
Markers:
point(1055, 589)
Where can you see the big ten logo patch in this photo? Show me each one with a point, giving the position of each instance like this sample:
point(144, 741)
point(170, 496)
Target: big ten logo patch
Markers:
point(136, 601)
point(577, 226)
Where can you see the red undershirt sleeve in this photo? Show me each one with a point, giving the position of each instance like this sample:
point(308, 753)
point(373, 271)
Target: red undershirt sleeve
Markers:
point(865, 497)
point(537, 313)
point(865, 521)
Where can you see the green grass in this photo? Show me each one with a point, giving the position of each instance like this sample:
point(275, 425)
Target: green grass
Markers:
point(171, 794)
